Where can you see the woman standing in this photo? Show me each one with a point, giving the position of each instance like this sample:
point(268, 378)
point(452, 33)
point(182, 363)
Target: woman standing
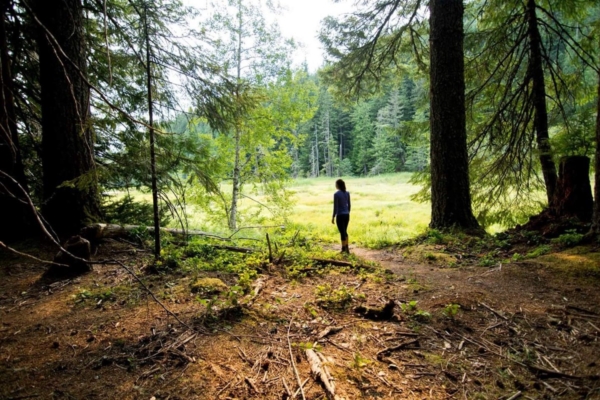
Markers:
point(341, 210)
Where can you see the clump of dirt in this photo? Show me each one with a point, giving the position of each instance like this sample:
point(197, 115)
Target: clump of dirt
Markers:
point(527, 328)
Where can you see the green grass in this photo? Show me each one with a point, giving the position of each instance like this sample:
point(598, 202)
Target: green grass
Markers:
point(382, 212)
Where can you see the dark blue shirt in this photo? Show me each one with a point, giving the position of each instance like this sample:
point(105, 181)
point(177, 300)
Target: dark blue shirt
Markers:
point(341, 203)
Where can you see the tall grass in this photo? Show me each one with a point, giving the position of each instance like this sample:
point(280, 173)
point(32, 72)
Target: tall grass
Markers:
point(382, 212)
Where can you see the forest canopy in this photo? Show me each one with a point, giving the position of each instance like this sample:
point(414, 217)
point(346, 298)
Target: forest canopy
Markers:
point(205, 108)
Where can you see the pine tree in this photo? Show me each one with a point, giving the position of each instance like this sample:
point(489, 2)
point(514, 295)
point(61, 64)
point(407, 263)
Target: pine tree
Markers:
point(450, 194)
point(71, 197)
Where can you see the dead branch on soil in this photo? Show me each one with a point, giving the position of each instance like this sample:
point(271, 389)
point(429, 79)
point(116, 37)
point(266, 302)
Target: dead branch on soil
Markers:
point(169, 312)
point(292, 361)
point(34, 258)
point(401, 346)
point(493, 311)
point(321, 373)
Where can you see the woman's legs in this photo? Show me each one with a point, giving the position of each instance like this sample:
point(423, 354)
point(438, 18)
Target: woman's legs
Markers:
point(342, 222)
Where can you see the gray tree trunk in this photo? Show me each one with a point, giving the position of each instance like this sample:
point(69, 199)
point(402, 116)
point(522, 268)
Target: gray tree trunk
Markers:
point(536, 71)
point(450, 196)
point(67, 140)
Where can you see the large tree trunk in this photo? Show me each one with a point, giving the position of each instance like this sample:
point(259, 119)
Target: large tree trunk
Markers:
point(450, 196)
point(15, 216)
point(540, 121)
point(573, 195)
point(70, 186)
point(596, 218)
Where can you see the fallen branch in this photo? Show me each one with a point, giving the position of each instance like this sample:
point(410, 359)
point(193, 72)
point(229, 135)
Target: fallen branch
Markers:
point(321, 373)
point(105, 231)
point(336, 263)
point(332, 330)
point(17, 252)
point(515, 396)
point(169, 312)
point(252, 385)
point(493, 311)
point(293, 363)
point(558, 374)
point(401, 346)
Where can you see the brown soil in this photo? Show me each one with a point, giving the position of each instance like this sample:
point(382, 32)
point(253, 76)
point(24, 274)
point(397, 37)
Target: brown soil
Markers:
point(529, 329)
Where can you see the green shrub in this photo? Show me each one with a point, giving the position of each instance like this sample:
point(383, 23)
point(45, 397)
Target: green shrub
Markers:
point(568, 239)
point(128, 211)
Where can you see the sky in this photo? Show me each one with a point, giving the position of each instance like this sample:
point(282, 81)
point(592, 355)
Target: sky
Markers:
point(301, 20)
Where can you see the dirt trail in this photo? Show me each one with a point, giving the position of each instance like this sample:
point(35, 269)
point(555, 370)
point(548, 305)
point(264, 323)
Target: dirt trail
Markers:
point(514, 287)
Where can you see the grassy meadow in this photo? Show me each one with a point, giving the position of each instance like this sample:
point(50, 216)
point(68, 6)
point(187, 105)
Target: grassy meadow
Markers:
point(382, 211)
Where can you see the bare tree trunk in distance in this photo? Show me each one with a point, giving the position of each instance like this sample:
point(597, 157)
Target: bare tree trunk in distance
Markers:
point(236, 178)
point(67, 141)
point(13, 214)
point(540, 121)
point(450, 195)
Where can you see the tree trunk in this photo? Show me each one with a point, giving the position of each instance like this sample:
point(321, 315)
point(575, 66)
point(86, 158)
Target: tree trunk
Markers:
point(155, 211)
point(573, 195)
point(70, 184)
point(450, 196)
point(235, 193)
point(596, 220)
point(15, 216)
point(540, 121)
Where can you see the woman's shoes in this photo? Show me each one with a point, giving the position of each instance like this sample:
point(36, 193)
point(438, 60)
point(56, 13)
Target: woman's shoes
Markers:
point(345, 247)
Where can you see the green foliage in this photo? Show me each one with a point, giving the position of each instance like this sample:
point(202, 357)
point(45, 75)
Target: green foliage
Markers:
point(451, 310)
point(327, 297)
point(539, 251)
point(568, 239)
point(307, 346)
point(126, 210)
point(358, 361)
point(411, 309)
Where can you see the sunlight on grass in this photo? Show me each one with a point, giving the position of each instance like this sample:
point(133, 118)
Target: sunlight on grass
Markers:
point(382, 212)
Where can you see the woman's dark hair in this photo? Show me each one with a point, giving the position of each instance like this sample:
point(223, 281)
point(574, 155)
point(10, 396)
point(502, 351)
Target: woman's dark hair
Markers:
point(341, 185)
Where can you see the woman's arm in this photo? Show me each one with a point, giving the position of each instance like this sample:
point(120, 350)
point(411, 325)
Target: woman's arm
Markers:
point(348, 201)
point(334, 208)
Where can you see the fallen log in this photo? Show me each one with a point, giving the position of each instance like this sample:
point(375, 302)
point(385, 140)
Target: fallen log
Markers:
point(113, 231)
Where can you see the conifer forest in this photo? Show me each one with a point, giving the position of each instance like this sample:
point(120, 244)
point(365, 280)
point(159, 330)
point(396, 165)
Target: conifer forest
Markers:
point(168, 171)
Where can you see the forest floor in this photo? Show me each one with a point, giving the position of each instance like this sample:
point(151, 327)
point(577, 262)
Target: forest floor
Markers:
point(529, 328)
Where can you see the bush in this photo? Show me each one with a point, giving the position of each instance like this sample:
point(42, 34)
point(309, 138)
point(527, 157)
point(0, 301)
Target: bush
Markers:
point(128, 211)
point(571, 238)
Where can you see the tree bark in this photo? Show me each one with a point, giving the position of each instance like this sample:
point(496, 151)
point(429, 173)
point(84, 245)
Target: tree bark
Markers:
point(573, 195)
point(596, 219)
point(155, 211)
point(70, 185)
point(15, 218)
point(540, 121)
point(450, 195)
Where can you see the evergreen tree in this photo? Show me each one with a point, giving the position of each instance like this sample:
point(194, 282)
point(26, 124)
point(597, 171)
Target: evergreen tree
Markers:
point(450, 194)
point(71, 197)
point(363, 134)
